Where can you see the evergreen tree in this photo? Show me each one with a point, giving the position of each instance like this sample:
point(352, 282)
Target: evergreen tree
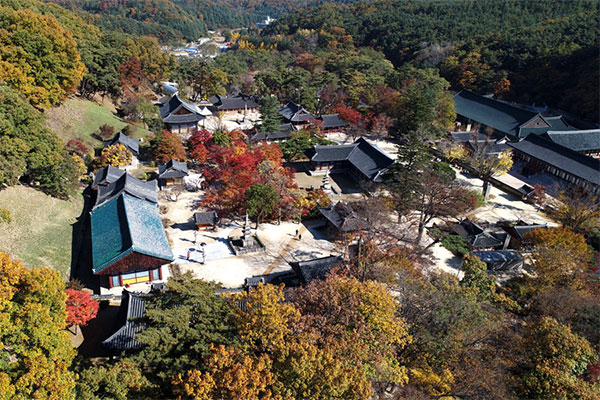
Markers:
point(30, 152)
point(261, 201)
point(269, 114)
point(181, 323)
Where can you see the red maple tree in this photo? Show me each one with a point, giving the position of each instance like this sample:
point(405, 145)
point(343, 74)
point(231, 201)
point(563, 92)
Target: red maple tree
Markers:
point(348, 114)
point(81, 308)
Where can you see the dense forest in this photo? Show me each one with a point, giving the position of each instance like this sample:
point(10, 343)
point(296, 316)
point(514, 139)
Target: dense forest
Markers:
point(384, 323)
point(520, 50)
point(175, 20)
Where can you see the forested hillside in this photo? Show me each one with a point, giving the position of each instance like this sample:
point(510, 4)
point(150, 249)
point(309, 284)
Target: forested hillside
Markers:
point(174, 20)
point(519, 49)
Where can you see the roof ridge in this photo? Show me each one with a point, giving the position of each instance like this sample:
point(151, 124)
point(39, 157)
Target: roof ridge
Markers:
point(573, 132)
point(127, 219)
point(532, 118)
point(375, 147)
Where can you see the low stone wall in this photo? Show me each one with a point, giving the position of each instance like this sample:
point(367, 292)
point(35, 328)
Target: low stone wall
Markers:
point(240, 250)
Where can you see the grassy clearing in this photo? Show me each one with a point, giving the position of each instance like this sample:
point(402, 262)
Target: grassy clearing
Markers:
point(78, 119)
point(40, 232)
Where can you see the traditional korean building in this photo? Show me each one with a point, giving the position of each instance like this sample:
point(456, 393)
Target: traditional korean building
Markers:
point(572, 167)
point(238, 104)
point(131, 144)
point(341, 218)
point(518, 231)
point(586, 142)
point(108, 185)
point(284, 133)
point(128, 241)
point(476, 237)
point(504, 118)
point(181, 117)
point(206, 220)
point(172, 173)
point(296, 115)
point(127, 324)
point(315, 269)
point(362, 160)
point(500, 260)
point(332, 123)
point(106, 176)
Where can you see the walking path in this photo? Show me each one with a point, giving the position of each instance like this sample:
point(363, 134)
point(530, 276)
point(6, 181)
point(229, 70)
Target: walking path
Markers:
point(284, 251)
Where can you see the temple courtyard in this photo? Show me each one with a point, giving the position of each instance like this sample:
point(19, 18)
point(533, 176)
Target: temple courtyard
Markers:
point(209, 256)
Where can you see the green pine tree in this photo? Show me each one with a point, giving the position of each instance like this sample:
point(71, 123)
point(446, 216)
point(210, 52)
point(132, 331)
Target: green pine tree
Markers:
point(269, 115)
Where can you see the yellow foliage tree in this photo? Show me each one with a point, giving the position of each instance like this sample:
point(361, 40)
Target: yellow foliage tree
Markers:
point(230, 374)
point(116, 155)
point(38, 57)
point(36, 350)
point(488, 165)
point(560, 256)
point(265, 323)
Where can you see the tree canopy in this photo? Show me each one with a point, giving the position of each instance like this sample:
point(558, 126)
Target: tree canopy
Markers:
point(37, 352)
point(38, 57)
point(29, 152)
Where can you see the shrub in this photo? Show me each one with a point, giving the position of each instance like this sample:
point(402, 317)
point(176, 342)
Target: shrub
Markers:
point(5, 216)
point(456, 245)
point(75, 146)
point(477, 198)
point(106, 132)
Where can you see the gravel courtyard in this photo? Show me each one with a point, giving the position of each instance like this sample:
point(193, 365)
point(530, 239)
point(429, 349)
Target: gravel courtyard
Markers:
point(221, 265)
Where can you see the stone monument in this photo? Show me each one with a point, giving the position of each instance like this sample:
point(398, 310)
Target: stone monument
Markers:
point(326, 186)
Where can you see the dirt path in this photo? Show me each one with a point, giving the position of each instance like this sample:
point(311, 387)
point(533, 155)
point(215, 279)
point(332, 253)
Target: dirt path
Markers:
point(284, 251)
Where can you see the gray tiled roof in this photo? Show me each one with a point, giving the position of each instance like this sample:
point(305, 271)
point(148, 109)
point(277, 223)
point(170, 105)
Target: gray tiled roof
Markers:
point(132, 144)
point(174, 104)
point(239, 101)
point(464, 137)
point(132, 309)
point(500, 116)
point(519, 231)
point(172, 169)
point(182, 118)
point(205, 218)
point(332, 121)
point(580, 140)
point(503, 117)
point(560, 157)
point(107, 175)
point(475, 235)
point(330, 153)
point(500, 259)
point(146, 190)
point(285, 132)
point(317, 268)
point(343, 217)
point(292, 112)
point(367, 158)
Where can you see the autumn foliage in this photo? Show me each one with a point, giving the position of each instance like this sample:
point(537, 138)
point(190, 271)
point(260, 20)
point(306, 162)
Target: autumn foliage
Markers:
point(81, 308)
point(168, 146)
point(230, 171)
point(348, 114)
point(561, 256)
point(116, 155)
point(75, 146)
point(36, 352)
point(297, 359)
point(197, 145)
